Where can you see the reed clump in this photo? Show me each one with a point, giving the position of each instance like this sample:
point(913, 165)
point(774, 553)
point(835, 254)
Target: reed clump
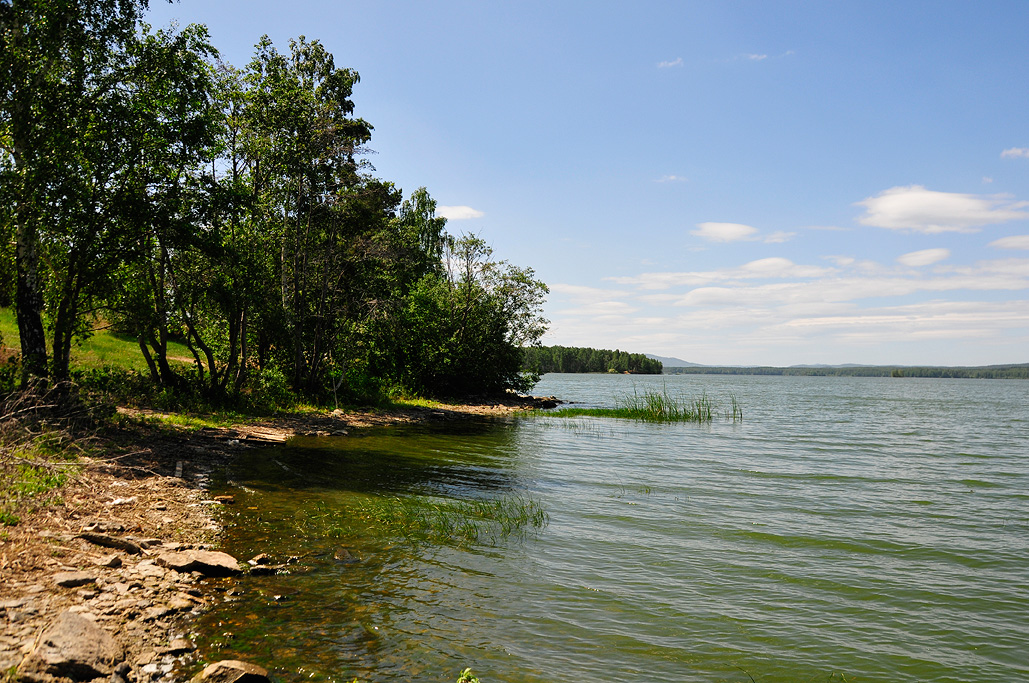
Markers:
point(661, 406)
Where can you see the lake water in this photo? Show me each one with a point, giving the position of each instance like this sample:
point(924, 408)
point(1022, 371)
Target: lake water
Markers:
point(852, 529)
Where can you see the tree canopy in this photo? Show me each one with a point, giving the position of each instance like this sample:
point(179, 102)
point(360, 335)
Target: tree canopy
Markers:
point(147, 185)
point(546, 359)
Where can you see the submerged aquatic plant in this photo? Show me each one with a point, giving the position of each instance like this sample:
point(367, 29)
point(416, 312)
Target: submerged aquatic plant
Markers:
point(435, 520)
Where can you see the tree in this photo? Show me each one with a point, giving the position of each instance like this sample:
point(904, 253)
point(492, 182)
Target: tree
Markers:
point(59, 66)
point(464, 329)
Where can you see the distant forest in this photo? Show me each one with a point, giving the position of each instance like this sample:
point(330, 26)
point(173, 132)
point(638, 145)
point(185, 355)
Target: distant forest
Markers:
point(544, 359)
point(985, 372)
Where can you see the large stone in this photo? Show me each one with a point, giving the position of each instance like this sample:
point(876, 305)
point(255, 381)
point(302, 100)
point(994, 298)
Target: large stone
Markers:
point(73, 647)
point(232, 671)
point(106, 541)
point(207, 562)
point(74, 579)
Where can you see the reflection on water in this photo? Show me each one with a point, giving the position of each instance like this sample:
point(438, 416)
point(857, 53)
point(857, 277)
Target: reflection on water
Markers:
point(871, 528)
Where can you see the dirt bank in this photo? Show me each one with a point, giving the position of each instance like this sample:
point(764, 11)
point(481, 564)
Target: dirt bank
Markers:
point(147, 493)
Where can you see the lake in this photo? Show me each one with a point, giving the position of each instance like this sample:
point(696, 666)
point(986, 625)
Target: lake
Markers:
point(847, 529)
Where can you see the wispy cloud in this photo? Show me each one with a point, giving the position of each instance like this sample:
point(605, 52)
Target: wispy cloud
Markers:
point(925, 257)
point(1015, 153)
point(738, 232)
point(585, 294)
point(766, 268)
point(1011, 242)
point(672, 179)
point(917, 209)
point(670, 64)
point(725, 232)
point(779, 237)
point(761, 56)
point(774, 311)
point(458, 213)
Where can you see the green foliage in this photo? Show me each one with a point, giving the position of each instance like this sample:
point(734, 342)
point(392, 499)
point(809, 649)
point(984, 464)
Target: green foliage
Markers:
point(35, 460)
point(467, 677)
point(462, 331)
point(544, 359)
point(223, 221)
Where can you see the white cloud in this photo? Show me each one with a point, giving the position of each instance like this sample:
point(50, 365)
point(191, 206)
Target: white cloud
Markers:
point(725, 232)
point(672, 179)
point(918, 209)
point(925, 257)
point(779, 237)
point(585, 294)
point(601, 310)
point(778, 267)
point(675, 62)
point(987, 180)
point(1015, 153)
point(755, 58)
point(840, 260)
point(768, 268)
point(458, 213)
point(1011, 242)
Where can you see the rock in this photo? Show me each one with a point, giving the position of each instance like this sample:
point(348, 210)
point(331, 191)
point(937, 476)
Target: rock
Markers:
point(178, 646)
point(112, 542)
point(232, 671)
point(120, 674)
point(207, 562)
point(268, 569)
point(224, 500)
point(103, 527)
point(345, 556)
point(259, 559)
point(157, 612)
point(149, 569)
point(13, 604)
point(74, 579)
point(109, 561)
point(73, 647)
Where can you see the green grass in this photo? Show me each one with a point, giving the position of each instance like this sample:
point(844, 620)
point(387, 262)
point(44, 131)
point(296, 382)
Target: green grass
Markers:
point(196, 422)
point(30, 471)
point(660, 406)
point(103, 348)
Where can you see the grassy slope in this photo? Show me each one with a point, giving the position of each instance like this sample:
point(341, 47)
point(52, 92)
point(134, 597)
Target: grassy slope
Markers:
point(102, 348)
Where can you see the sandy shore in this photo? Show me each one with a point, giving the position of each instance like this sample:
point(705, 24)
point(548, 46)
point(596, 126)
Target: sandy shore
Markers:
point(147, 488)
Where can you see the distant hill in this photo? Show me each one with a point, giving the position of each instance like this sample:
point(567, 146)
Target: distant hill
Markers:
point(669, 362)
point(1016, 371)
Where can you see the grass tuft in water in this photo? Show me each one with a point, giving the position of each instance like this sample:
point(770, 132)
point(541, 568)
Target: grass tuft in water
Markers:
point(660, 406)
point(432, 520)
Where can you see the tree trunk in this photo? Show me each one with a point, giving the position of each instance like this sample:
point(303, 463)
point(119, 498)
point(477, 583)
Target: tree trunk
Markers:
point(29, 301)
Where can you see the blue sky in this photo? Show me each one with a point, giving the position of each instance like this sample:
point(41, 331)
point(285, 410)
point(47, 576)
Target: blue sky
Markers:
point(737, 183)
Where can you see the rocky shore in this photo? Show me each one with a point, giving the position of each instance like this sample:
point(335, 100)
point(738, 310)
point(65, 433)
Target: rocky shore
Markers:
point(104, 583)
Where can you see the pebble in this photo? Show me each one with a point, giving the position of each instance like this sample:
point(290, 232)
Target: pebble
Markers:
point(108, 561)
